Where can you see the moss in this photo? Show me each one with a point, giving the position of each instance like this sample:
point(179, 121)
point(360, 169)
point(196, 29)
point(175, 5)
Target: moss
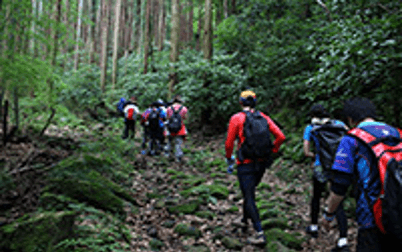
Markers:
point(276, 246)
point(221, 182)
point(198, 249)
point(187, 208)
point(232, 243)
point(263, 186)
point(205, 214)
point(186, 230)
point(280, 223)
point(156, 244)
point(194, 181)
point(219, 175)
point(154, 195)
point(171, 171)
point(269, 213)
point(218, 191)
point(289, 240)
point(169, 223)
point(42, 230)
point(263, 204)
point(233, 209)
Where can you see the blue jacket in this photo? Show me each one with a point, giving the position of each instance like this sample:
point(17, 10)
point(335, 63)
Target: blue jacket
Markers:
point(355, 162)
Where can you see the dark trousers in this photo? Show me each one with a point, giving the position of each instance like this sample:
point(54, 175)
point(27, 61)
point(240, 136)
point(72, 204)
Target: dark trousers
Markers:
point(318, 189)
point(372, 240)
point(129, 126)
point(250, 176)
point(157, 139)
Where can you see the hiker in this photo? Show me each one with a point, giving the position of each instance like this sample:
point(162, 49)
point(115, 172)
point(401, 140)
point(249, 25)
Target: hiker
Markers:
point(155, 119)
point(356, 161)
point(176, 114)
point(252, 128)
point(326, 134)
point(130, 111)
point(144, 123)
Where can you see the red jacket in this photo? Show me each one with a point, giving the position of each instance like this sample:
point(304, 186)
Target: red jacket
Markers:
point(236, 130)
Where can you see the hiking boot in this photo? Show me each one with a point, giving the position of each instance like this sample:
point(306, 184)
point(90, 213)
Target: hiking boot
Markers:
point(312, 232)
point(257, 239)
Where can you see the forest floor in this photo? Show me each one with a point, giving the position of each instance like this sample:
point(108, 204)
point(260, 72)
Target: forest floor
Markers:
point(182, 207)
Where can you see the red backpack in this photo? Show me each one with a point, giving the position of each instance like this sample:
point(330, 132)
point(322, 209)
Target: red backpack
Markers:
point(387, 207)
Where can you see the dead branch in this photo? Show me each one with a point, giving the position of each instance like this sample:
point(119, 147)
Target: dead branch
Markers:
point(48, 122)
point(326, 9)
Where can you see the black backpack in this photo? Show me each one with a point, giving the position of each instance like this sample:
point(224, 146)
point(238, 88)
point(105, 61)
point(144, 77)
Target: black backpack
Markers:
point(153, 120)
point(174, 124)
point(257, 143)
point(329, 136)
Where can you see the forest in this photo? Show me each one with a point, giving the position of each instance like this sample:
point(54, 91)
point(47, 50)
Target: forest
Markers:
point(68, 182)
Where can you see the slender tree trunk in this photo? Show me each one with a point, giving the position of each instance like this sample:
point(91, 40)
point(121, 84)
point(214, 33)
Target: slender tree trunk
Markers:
point(78, 36)
point(128, 31)
point(146, 37)
point(234, 7)
point(141, 30)
point(183, 22)
point(174, 53)
point(104, 32)
point(161, 24)
point(190, 32)
point(98, 29)
point(207, 36)
point(218, 13)
point(56, 33)
point(155, 22)
point(225, 9)
point(116, 41)
point(199, 31)
point(33, 26)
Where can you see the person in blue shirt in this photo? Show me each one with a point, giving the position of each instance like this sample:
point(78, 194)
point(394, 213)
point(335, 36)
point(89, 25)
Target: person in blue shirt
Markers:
point(156, 131)
point(320, 116)
point(355, 162)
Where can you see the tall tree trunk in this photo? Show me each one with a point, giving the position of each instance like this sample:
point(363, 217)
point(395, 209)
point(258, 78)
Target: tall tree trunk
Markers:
point(78, 36)
point(218, 13)
point(174, 53)
point(56, 33)
point(98, 29)
point(105, 33)
point(141, 27)
point(207, 36)
point(161, 25)
point(92, 45)
point(146, 36)
point(234, 7)
point(183, 22)
point(128, 30)
point(225, 9)
point(190, 32)
point(199, 31)
point(33, 25)
point(116, 41)
point(155, 22)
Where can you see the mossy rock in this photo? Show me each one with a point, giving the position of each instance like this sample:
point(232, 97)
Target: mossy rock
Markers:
point(171, 171)
point(217, 175)
point(205, 214)
point(194, 181)
point(159, 204)
point(263, 186)
point(186, 230)
point(198, 249)
point(269, 213)
point(224, 182)
point(169, 223)
point(263, 204)
point(280, 223)
point(93, 193)
point(156, 244)
point(289, 240)
point(231, 243)
point(218, 191)
point(154, 195)
point(196, 191)
point(186, 208)
point(56, 202)
point(40, 231)
point(233, 209)
point(276, 246)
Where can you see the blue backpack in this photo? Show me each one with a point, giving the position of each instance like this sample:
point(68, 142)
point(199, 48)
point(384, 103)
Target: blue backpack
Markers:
point(120, 106)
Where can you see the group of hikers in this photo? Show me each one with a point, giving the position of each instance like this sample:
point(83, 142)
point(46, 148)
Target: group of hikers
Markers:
point(163, 125)
point(363, 152)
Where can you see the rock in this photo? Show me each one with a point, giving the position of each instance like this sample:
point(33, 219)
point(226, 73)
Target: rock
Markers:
point(232, 243)
point(46, 228)
point(186, 230)
point(171, 201)
point(289, 240)
point(186, 208)
point(169, 223)
point(159, 204)
point(280, 223)
point(156, 244)
point(198, 249)
point(206, 215)
point(152, 232)
point(218, 191)
point(233, 209)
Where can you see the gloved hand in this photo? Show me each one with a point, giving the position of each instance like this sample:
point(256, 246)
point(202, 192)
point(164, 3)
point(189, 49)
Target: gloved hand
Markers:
point(231, 163)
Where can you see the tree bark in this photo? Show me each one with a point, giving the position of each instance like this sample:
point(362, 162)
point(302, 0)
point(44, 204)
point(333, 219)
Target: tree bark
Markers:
point(78, 36)
point(116, 41)
point(98, 29)
point(234, 7)
point(161, 25)
point(141, 30)
point(225, 9)
point(155, 22)
point(199, 32)
point(183, 22)
point(174, 53)
point(146, 36)
point(190, 32)
point(104, 32)
point(56, 34)
point(207, 36)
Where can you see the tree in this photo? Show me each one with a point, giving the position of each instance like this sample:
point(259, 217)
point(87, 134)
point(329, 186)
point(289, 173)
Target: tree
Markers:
point(116, 41)
point(207, 36)
point(78, 35)
point(146, 36)
point(174, 53)
point(161, 25)
point(104, 29)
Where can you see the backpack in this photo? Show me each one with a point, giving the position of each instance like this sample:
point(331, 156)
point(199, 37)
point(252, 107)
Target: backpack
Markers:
point(174, 124)
point(153, 120)
point(130, 113)
point(120, 106)
point(328, 135)
point(387, 207)
point(257, 143)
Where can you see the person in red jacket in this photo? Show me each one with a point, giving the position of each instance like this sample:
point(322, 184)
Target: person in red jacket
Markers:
point(249, 172)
